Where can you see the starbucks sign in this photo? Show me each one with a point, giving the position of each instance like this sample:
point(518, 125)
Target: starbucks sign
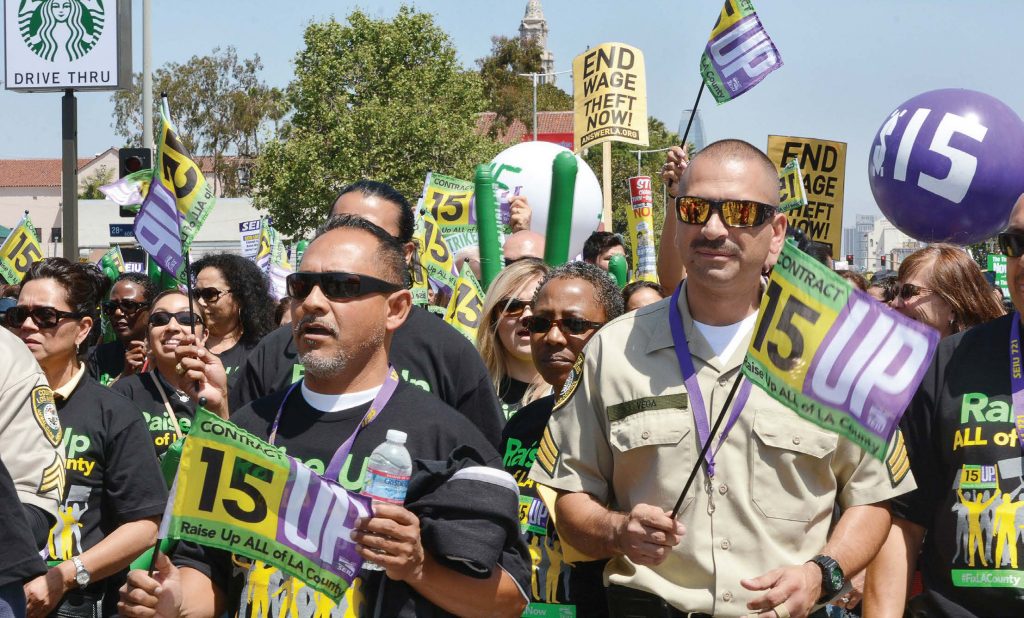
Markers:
point(67, 44)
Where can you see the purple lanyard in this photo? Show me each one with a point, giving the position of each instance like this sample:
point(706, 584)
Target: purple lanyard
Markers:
point(700, 415)
point(1017, 378)
point(379, 401)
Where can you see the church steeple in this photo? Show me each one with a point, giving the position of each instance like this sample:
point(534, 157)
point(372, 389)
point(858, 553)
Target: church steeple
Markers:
point(535, 27)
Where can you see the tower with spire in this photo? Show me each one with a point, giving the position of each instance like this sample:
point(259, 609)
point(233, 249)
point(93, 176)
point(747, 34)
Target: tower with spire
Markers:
point(535, 27)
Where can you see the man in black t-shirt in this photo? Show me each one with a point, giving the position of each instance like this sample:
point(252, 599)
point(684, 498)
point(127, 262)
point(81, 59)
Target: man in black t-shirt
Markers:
point(344, 318)
point(967, 515)
point(427, 352)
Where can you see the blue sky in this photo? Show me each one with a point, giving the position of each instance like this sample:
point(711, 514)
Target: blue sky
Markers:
point(847, 63)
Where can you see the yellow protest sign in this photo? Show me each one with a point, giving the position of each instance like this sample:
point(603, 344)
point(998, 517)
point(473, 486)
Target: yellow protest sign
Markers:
point(19, 252)
point(467, 304)
point(823, 166)
point(183, 179)
point(609, 96)
point(448, 199)
point(435, 256)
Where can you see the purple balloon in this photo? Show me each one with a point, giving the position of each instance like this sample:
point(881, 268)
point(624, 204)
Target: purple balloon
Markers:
point(948, 165)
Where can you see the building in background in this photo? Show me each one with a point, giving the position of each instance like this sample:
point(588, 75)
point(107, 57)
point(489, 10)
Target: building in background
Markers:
point(534, 27)
point(884, 240)
point(855, 241)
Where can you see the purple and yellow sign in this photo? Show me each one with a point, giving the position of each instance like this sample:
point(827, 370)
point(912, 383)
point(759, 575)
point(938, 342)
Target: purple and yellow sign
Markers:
point(236, 492)
point(739, 53)
point(833, 354)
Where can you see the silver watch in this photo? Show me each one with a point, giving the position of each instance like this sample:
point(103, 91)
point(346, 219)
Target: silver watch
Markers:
point(81, 573)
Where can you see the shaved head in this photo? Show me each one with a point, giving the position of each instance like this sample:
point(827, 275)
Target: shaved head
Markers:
point(524, 243)
point(728, 151)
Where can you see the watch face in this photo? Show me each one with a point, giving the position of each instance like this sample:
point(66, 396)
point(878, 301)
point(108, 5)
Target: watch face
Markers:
point(837, 579)
point(82, 578)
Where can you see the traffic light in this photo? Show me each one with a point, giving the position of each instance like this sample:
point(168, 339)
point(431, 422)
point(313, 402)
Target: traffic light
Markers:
point(849, 258)
point(129, 161)
point(883, 262)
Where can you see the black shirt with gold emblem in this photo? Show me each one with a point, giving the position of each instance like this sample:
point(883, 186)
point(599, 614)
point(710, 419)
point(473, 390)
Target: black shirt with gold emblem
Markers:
point(112, 474)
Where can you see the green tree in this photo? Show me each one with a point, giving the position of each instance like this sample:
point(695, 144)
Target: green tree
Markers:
point(624, 166)
point(509, 94)
point(219, 106)
point(380, 99)
point(90, 188)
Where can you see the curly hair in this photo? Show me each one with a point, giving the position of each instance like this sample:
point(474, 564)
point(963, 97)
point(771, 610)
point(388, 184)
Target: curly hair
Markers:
point(605, 291)
point(251, 289)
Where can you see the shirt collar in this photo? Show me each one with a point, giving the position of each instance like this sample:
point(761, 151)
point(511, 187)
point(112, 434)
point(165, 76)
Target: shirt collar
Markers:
point(64, 393)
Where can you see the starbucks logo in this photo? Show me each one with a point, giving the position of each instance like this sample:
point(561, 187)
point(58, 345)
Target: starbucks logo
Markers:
point(59, 29)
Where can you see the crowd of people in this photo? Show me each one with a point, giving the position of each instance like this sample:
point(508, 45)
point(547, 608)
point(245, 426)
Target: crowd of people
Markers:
point(587, 405)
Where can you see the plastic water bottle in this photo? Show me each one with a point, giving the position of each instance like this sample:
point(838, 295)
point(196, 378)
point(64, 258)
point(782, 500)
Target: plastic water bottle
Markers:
point(387, 475)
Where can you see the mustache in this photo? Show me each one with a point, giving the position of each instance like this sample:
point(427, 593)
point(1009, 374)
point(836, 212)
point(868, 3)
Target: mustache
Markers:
point(299, 327)
point(722, 245)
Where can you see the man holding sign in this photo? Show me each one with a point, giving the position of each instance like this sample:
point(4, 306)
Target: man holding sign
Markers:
point(347, 302)
point(753, 535)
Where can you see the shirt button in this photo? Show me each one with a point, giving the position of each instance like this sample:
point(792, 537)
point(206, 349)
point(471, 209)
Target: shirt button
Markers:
point(796, 439)
point(727, 596)
point(726, 544)
point(723, 382)
point(723, 489)
point(645, 435)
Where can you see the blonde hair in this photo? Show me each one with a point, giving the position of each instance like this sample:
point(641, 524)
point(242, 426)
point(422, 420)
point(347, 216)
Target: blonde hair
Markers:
point(504, 288)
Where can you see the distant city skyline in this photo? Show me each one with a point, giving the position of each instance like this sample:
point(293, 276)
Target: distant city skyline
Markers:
point(847, 65)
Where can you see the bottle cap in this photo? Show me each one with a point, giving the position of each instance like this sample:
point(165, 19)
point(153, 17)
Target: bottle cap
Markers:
point(396, 436)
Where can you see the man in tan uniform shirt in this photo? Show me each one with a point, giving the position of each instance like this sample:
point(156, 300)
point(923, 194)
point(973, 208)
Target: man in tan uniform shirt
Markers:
point(30, 432)
point(622, 440)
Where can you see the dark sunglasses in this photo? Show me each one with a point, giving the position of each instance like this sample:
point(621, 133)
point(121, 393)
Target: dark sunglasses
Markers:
point(185, 318)
point(1012, 244)
point(908, 291)
point(569, 326)
point(210, 295)
point(128, 307)
point(337, 285)
point(43, 317)
point(734, 213)
point(512, 307)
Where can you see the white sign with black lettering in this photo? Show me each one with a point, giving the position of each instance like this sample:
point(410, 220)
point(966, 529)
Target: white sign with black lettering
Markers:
point(67, 44)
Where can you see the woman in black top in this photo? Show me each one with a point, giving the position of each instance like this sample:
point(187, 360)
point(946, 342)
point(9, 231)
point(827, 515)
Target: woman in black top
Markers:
point(128, 313)
point(160, 393)
point(503, 341)
point(115, 492)
point(234, 300)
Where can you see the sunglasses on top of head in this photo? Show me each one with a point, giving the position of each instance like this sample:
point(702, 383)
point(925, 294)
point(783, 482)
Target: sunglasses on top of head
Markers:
point(1012, 244)
point(337, 285)
point(43, 317)
point(734, 213)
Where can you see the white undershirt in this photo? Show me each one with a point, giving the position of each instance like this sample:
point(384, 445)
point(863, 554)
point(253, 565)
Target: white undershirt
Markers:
point(337, 403)
point(725, 339)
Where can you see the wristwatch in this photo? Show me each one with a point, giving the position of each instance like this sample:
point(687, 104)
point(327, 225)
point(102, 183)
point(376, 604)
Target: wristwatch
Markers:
point(81, 573)
point(832, 577)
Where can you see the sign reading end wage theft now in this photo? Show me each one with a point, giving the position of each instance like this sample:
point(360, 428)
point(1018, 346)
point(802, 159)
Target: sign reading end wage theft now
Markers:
point(823, 167)
point(236, 492)
point(833, 354)
point(609, 96)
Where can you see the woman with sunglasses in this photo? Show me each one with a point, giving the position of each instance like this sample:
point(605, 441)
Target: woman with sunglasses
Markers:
point(115, 493)
point(127, 309)
point(234, 300)
point(160, 393)
point(503, 341)
point(571, 303)
point(942, 286)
